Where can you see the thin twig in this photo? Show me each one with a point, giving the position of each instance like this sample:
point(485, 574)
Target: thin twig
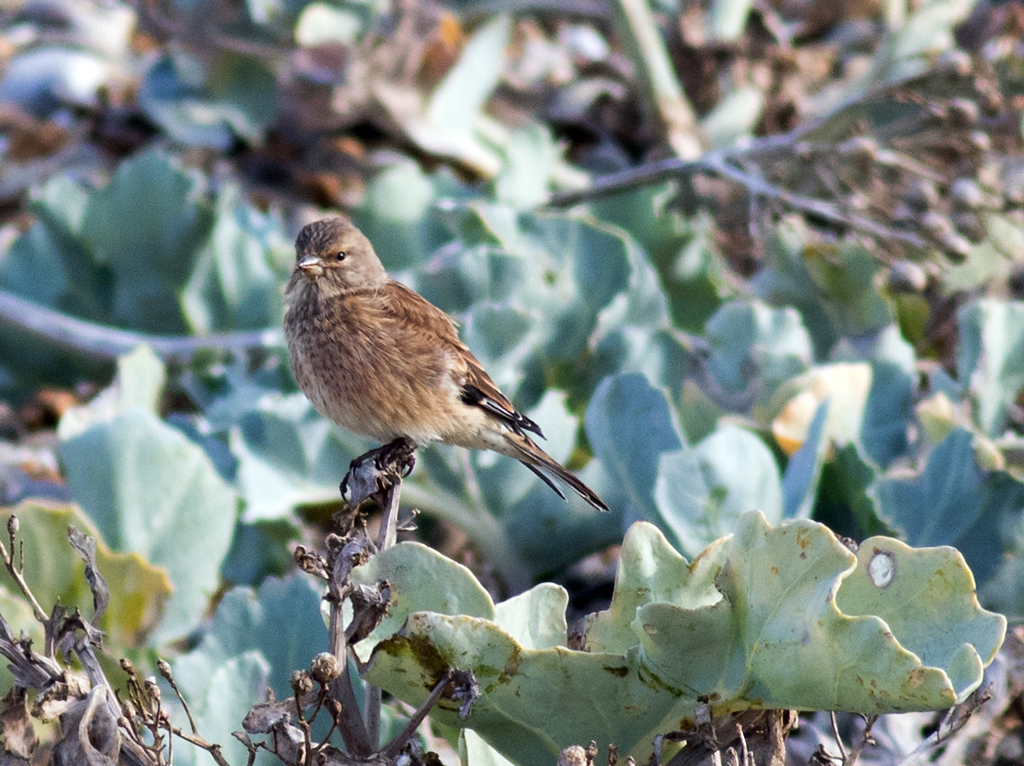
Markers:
point(865, 739)
point(835, 733)
point(165, 671)
point(350, 723)
point(195, 739)
point(16, 573)
point(757, 149)
point(759, 187)
point(954, 720)
point(394, 747)
point(105, 343)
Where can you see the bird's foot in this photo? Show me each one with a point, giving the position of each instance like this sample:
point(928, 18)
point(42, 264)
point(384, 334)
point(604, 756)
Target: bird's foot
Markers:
point(378, 470)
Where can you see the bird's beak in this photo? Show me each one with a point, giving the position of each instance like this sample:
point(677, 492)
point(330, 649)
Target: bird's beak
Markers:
point(311, 265)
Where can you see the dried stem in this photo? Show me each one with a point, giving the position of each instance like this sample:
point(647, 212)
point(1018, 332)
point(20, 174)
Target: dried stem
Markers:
point(195, 739)
point(394, 747)
point(865, 739)
point(105, 343)
point(165, 671)
point(835, 733)
point(17, 570)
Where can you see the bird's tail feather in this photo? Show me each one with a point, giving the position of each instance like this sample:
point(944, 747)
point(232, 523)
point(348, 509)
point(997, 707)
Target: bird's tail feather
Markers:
point(545, 466)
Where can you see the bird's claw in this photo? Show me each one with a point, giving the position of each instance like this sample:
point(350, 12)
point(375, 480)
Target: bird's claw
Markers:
point(378, 470)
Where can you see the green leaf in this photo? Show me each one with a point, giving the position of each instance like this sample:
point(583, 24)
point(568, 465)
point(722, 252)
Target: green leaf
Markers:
point(396, 213)
point(520, 525)
point(801, 479)
point(414, 571)
point(281, 621)
point(138, 383)
point(530, 158)
point(734, 116)
point(735, 473)
point(953, 501)
point(154, 255)
point(846, 277)
point(888, 412)
point(260, 550)
point(473, 751)
point(209, 102)
point(630, 426)
point(244, 89)
point(151, 491)
point(991, 358)
point(139, 591)
point(845, 502)
point(456, 103)
point(288, 455)
point(754, 343)
point(229, 689)
point(235, 283)
point(728, 628)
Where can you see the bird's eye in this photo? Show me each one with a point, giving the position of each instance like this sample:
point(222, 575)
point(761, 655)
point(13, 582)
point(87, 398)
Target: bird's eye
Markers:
point(340, 255)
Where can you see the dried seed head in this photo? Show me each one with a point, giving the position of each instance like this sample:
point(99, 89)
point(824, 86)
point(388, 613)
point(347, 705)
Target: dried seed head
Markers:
point(963, 113)
point(302, 684)
point(921, 194)
point(955, 61)
point(324, 668)
point(956, 246)
point(980, 141)
point(13, 525)
point(966, 193)
point(937, 225)
point(907, 277)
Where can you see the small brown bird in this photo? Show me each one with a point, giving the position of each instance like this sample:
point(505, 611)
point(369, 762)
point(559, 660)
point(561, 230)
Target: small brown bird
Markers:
point(382, 361)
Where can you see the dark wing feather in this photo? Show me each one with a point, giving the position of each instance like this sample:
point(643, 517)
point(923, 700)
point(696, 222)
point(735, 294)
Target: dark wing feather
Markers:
point(477, 389)
point(496, 403)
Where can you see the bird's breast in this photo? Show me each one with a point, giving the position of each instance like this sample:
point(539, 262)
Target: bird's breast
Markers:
point(369, 373)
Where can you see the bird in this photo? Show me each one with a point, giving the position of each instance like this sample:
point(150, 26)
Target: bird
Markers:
point(379, 359)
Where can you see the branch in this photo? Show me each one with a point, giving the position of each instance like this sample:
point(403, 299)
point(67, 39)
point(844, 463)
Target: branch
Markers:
point(105, 343)
point(758, 187)
point(395, 746)
point(757, 149)
point(16, 571)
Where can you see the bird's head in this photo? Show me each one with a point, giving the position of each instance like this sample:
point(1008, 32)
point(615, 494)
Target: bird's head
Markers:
point(335, 254)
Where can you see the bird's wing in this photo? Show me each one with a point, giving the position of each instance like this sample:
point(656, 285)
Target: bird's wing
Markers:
point(476, 387)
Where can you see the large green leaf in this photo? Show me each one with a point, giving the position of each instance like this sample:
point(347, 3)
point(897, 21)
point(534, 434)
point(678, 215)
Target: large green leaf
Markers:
point(696, 492)
point(256, 639)
point(872, 632)
point(152, 491)
point(236, 281)
point(153, 255)
point(755, 348)
point(138, 590)
point(990, 361)
point(954, 501)
point(396, 216)
point(209, 101)
point(631, 427)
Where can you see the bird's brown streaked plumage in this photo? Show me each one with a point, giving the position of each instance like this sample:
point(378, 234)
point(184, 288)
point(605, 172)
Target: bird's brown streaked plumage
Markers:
point(379, 359)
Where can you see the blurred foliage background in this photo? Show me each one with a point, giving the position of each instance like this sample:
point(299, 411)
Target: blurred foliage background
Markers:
point(729, 254)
